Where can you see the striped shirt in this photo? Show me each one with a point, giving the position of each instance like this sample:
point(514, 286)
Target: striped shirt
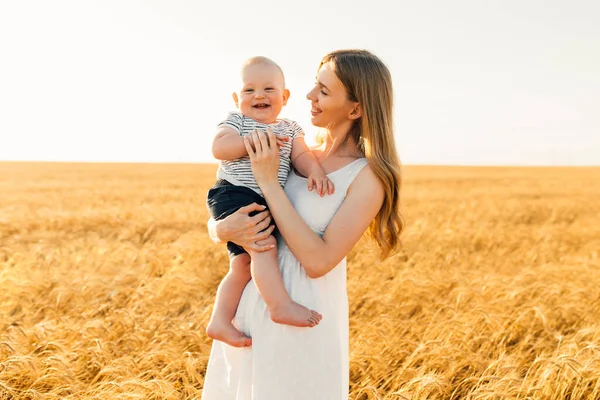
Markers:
point(239, 171)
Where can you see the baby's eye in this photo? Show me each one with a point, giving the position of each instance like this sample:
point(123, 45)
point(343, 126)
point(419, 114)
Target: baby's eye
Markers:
point(269, 89)
point(248, 90)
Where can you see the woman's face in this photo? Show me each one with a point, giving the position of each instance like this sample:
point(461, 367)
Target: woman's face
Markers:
point(329, 100)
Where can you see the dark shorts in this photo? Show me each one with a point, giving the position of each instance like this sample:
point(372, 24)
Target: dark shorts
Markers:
point(225, 198)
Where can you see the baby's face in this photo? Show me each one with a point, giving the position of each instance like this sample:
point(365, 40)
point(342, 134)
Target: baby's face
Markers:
point(263, 94)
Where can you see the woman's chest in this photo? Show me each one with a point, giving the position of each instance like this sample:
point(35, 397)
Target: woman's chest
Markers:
point(315, 210)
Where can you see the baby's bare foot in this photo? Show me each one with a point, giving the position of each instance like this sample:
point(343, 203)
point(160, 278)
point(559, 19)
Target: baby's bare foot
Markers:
point(226, 332)
point(295, 314)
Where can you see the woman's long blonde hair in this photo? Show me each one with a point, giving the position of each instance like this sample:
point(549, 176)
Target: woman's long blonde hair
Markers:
point(368, 82)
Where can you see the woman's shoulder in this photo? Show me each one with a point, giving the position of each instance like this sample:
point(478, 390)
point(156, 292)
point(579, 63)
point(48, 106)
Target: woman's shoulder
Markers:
point(365, 180)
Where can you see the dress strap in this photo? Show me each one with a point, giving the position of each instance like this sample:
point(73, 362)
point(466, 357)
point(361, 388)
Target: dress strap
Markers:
point(355, 169)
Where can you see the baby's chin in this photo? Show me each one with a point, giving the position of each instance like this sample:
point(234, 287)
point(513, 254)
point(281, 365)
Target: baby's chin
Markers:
point(262, 117)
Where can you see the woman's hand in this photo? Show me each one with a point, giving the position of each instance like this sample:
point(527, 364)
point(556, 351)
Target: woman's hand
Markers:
point(243, 229)
point(264, 155)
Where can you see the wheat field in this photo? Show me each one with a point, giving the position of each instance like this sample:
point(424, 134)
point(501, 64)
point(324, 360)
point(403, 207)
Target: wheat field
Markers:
point(107, 278)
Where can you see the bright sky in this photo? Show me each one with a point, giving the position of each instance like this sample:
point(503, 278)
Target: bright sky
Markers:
point(476, 82)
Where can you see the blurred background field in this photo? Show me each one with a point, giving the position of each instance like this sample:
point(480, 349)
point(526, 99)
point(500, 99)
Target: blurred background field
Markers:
point(107, 278)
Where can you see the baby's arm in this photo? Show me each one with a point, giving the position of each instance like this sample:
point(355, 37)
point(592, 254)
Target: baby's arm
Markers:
point(306, 163)
point(228, 144)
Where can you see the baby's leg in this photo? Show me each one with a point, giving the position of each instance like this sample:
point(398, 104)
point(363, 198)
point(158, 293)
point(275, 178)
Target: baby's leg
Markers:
point(268, 280)
point(228, 296)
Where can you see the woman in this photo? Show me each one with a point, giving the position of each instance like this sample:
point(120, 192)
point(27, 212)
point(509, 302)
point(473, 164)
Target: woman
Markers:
point(352, 102)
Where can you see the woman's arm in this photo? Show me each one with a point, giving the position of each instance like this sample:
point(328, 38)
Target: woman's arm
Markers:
point(242, 229)
point(316, 255)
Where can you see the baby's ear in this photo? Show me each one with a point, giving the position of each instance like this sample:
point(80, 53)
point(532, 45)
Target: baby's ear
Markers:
point(235, 99)
point(286, 96)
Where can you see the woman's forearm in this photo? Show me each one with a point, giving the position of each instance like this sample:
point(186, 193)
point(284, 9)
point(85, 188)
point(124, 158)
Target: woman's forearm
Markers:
point(309, 248)
point(213, 230)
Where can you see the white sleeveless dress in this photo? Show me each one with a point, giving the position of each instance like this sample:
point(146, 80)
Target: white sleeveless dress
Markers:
point(285, 362)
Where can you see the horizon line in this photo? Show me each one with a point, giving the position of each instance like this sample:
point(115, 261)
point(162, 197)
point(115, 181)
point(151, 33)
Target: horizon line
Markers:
point(457, 165)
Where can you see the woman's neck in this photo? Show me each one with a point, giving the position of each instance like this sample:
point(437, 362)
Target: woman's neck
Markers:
point(337, 143)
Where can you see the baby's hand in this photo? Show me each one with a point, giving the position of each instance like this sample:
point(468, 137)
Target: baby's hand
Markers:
point(317, 179)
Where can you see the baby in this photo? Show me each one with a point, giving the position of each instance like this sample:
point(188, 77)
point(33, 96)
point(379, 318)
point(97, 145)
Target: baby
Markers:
point(260, 100)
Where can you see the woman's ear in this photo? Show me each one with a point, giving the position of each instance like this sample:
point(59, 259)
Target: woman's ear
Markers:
point(356, 112)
